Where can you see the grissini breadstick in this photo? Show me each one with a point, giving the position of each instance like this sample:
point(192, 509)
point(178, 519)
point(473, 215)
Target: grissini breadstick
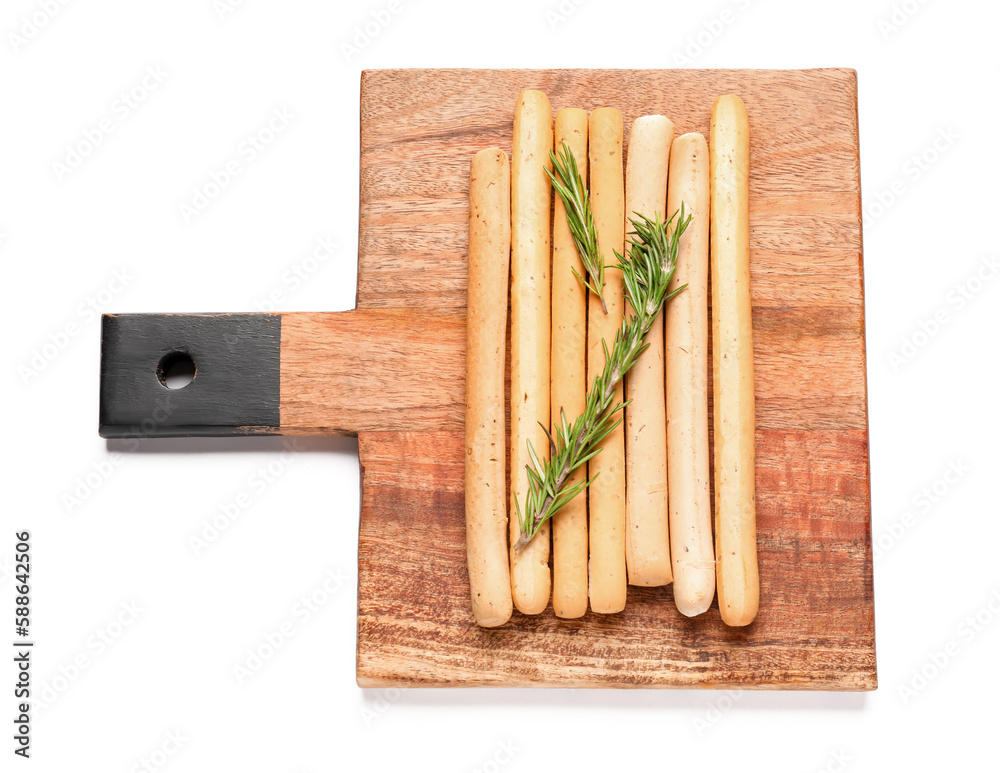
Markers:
point(606, 494)
point(688, 462)
point(733, 385)
point(647, 540)
point(569, 379)
point(486, 323)
point(530, 334)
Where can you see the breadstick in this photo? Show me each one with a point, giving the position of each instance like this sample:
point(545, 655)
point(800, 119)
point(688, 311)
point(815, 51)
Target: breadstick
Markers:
point(732, 340)
point(486, 330)
point(688, 463)
point(647, 540)
point(569, 379)
point(530, 335)
point(606, 494)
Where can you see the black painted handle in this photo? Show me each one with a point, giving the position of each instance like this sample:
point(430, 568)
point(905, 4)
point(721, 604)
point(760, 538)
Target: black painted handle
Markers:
point(237, 378)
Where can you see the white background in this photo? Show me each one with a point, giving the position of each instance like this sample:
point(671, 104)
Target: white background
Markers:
point(930, 70)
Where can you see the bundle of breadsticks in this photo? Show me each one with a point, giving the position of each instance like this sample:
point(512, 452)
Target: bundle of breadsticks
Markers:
point(645, 513)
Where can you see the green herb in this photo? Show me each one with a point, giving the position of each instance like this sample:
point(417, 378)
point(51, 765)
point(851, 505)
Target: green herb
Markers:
point(573, 192)
point(646, 277)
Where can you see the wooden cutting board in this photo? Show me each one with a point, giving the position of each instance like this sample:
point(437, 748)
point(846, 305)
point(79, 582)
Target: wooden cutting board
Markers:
point(815, 629)
point(392, 371)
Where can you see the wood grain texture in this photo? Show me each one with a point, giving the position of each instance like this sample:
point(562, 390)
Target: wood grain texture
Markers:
point(815, 628)
point(372, 369)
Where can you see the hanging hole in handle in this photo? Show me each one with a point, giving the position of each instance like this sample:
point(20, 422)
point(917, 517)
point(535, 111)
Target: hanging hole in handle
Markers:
point(176, 370)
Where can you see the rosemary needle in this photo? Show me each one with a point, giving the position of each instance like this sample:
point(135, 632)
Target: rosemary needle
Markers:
point(646, 277)
point(568, 183)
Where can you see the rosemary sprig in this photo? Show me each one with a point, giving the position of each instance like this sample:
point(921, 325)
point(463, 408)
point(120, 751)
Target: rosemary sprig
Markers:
point(646, 277)
point(580, 217)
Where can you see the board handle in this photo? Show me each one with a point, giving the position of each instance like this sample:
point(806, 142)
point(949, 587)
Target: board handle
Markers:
point(179, 375)
point(324, 373)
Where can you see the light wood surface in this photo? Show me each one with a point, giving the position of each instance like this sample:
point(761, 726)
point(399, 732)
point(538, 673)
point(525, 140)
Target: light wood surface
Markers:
point(393, 372)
